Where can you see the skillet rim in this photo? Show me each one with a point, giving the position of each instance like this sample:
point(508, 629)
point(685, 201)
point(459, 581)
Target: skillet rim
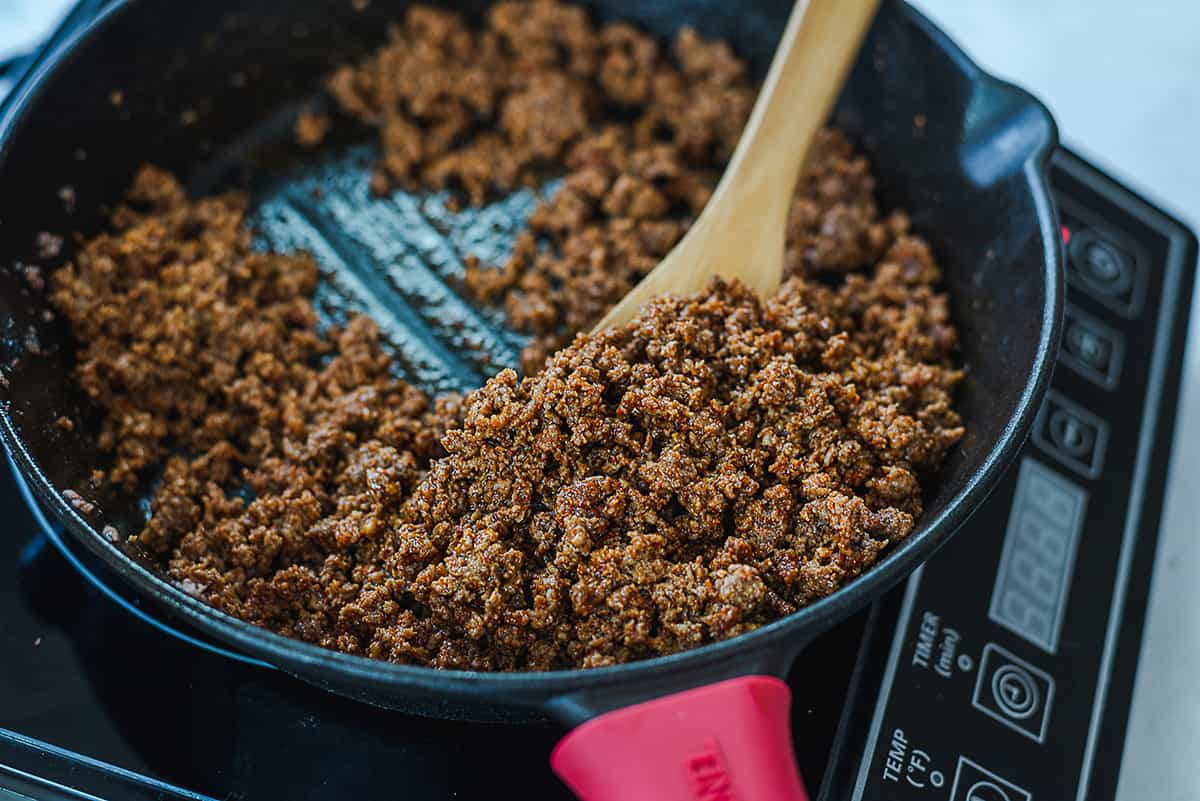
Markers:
point(786, 636)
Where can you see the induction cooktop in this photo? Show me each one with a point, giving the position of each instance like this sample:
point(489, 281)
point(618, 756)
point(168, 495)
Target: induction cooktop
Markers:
point(1002, 670)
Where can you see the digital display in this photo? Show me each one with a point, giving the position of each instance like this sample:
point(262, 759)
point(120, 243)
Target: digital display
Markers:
point(1034, 577)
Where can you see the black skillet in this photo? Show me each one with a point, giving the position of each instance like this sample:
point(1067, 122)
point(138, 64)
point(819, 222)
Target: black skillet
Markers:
point(208, 90)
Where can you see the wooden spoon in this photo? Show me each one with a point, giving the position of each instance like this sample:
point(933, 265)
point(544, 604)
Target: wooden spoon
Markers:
point(740, 233)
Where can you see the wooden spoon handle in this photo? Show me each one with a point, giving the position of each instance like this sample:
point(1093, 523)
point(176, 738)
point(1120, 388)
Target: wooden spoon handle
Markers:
point(816, 51)
point(741, 232)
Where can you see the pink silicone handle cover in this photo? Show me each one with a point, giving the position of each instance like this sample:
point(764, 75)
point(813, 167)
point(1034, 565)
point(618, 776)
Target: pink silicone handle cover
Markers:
point(724, 741)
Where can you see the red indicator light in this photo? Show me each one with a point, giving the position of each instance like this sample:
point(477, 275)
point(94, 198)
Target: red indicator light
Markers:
point(1066, 234)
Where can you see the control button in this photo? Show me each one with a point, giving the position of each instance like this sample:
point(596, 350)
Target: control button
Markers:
point(973, 782)
point(1091, 348)
point(1104, 265)
point(1109, 269)
point(1013, 692)
point(1071, 434)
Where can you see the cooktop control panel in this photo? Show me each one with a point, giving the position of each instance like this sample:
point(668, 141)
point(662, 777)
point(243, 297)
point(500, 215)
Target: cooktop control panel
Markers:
point(1010, 672)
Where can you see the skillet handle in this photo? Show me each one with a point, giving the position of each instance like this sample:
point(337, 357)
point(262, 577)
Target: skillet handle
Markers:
point(731, 739)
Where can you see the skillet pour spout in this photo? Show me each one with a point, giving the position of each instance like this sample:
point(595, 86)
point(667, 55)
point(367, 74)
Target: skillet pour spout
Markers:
point(964, 152)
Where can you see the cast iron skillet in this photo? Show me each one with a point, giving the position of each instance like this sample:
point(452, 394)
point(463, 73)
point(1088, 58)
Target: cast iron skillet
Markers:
point(208, 90)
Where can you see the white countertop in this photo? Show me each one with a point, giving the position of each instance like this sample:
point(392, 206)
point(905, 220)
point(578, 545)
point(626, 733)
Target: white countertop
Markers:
point(1123, 79)
point(24, 23)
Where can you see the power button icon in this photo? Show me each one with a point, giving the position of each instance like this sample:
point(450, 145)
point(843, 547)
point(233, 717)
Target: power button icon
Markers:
point(1071, 434)
point(1013, 692)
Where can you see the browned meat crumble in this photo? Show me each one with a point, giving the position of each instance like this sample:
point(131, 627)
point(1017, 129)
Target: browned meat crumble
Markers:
point(311, 127)
point(715, 464)
point(641, 131)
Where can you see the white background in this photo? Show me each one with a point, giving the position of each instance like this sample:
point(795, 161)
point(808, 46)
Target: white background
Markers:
point(1123, 79)
point(23, 23)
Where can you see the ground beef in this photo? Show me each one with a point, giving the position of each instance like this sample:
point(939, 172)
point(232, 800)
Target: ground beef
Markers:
point(640, 130)
point(311, 127)
point(715, 464)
